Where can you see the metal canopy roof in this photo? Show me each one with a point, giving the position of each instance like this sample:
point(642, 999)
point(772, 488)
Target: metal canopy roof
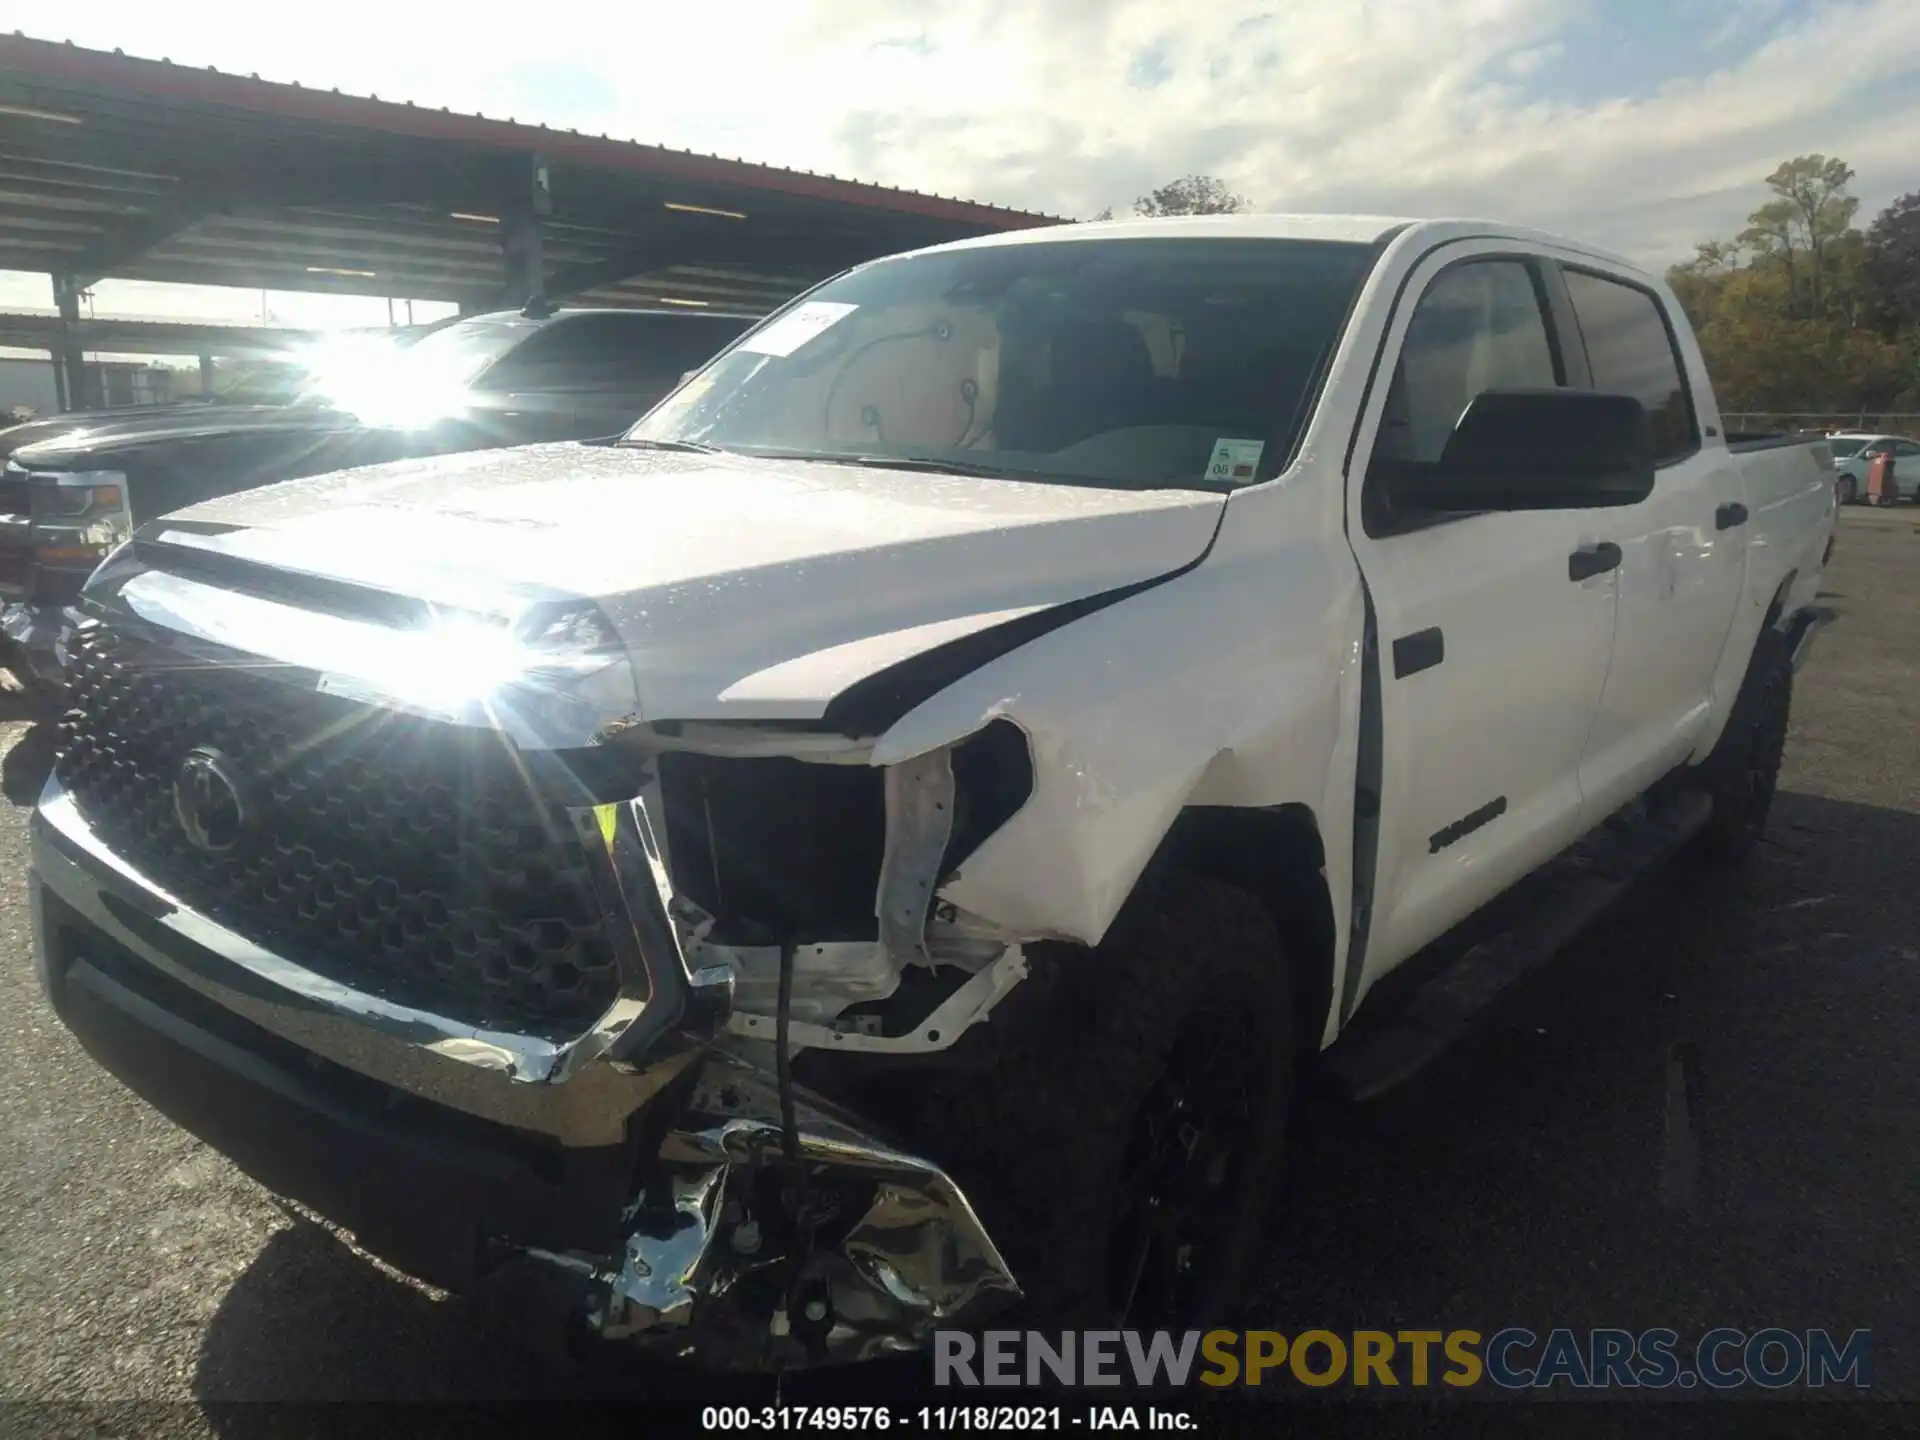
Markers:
point(20, 331)
point(141, 169)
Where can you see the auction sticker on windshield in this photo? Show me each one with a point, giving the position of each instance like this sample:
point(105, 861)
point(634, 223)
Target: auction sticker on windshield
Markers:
point(796, 328)
point(1235, 462)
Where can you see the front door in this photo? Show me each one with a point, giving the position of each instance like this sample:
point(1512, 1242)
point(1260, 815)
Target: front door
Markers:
point(1494, 629)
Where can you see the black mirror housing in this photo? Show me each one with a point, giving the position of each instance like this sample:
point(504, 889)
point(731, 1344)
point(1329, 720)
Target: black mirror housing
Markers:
point(1532, 450)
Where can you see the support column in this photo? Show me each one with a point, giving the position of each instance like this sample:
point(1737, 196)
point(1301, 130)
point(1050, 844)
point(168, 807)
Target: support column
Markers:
point(69, 359)
point(520, 237)
point(206, 377)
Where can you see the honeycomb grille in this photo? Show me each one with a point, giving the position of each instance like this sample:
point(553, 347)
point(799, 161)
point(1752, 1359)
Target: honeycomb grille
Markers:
point(403, 857)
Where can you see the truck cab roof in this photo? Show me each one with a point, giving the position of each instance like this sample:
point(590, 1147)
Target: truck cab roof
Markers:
point(1350, 229)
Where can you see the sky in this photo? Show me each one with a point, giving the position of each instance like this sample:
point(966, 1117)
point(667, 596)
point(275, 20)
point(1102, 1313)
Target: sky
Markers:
point(1642, 125)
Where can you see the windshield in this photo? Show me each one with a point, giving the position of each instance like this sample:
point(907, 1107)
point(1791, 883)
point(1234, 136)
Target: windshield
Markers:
point(1845, 447)
point(384, 381)
point(1131, 363)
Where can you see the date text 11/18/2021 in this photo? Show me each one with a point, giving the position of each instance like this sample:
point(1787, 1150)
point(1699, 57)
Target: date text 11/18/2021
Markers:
point(926, 1419)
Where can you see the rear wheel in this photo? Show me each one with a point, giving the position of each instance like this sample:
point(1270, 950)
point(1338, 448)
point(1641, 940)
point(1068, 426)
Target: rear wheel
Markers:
point(1744, 769)
point(1122, 1159)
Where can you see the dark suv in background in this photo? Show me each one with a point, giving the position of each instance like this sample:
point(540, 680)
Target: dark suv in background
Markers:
point(75, 486)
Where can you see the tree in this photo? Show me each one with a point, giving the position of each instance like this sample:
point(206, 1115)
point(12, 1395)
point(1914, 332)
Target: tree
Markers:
point(1803, 314)
point(1811, 210)
point(1192, 195)
point(1890, 266)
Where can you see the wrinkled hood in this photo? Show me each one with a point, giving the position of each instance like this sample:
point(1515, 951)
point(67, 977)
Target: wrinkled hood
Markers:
point(57, 443)
point(740, 587)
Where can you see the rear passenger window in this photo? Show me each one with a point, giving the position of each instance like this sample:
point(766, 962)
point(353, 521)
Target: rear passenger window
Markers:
point(1631, 352)
point(1478, 327)
point(637, 352)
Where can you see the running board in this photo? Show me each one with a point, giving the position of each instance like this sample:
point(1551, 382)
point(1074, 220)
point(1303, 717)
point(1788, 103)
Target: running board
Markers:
point(1373, 1056)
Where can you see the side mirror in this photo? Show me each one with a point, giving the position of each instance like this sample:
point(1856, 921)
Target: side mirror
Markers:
point(1532, 450)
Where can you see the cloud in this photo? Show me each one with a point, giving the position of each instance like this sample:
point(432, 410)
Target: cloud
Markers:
point(1407, 106)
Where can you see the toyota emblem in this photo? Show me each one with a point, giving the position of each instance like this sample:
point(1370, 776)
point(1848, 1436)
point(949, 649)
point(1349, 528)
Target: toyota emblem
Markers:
point(208, 802)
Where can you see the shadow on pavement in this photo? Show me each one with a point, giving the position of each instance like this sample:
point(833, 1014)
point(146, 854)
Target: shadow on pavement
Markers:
point(1690, 1118)
point(25, 767)
point(1533, 1177)
point(312, 1320)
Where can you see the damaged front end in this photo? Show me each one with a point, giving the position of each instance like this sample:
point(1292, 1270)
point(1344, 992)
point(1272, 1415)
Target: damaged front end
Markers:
point(745, 1252)
point(776, 1225)
point(661, 981)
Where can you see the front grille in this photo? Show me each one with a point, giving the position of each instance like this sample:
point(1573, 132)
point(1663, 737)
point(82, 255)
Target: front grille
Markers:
point(15, 497)
point(406, 858)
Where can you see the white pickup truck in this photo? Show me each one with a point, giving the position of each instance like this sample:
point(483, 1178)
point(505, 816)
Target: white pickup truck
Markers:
point(887, 840)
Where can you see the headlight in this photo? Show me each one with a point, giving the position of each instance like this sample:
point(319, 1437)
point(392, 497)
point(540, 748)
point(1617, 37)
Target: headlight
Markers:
point(78, 517)
point(78, 495)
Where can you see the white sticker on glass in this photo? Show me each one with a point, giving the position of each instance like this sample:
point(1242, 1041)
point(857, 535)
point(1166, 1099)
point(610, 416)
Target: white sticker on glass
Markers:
point(1235, 462)
point(796, 328)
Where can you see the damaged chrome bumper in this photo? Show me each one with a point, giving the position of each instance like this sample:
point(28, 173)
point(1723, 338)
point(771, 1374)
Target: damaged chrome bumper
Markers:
point(40, 633)
point(729, 1252)
point(741, 1258)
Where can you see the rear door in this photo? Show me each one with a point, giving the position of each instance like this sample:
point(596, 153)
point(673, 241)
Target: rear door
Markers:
point(1493, 639)
point(1683, 562)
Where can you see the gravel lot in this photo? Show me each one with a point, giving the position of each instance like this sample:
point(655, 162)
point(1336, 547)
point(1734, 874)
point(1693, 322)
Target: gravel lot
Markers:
point(1531, 1178)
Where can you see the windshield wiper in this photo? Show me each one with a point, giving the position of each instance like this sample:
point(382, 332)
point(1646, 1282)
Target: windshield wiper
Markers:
point(925, 464)
point(685, 447)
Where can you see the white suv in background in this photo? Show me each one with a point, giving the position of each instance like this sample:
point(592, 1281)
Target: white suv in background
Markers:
point(1853, 453)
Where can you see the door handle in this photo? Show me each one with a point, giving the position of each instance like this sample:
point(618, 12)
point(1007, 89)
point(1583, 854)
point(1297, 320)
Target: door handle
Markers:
point(1591, 560)
point(1729, 515)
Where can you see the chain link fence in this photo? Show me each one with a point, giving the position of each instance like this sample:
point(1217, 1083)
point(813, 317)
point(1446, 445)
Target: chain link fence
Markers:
point(1859, 422)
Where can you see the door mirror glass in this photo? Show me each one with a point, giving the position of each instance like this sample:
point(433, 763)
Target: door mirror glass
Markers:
point(1530, 450)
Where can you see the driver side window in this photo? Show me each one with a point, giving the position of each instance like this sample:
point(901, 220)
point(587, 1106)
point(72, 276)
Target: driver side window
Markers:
point(1478, 327)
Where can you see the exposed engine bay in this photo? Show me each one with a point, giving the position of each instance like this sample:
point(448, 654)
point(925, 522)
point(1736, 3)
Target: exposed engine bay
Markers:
point(835, 864)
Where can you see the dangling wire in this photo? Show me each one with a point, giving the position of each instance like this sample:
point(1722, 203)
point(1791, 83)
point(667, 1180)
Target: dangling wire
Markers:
point(782, 1061)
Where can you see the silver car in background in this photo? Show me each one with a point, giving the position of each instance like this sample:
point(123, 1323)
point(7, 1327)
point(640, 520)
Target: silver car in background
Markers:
point(1853, 454)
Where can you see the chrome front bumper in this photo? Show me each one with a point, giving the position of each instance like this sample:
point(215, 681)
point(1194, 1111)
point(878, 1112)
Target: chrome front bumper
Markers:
point(580, 1092)
point(707, 1266)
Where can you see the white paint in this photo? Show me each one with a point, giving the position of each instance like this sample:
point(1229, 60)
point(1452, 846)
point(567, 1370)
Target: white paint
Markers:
point(759, 589)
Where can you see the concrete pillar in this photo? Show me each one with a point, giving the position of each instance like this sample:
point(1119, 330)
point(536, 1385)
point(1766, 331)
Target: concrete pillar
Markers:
point(69, 360)
point(206, 377)
point(520, 237)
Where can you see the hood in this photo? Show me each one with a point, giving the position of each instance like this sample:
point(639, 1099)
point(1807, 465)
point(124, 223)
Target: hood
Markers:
point(741, 588)
point(58, 443)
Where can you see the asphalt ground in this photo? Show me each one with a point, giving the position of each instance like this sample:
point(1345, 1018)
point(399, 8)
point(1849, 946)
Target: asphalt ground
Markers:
point(1702, 1114)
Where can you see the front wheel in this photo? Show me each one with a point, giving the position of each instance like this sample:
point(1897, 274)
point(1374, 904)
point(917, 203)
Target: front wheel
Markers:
point(1123, 1158)
point(1743, 771)
point(1845, 490)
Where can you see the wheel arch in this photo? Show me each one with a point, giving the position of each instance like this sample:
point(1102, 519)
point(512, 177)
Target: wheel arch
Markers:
point(1275, 854)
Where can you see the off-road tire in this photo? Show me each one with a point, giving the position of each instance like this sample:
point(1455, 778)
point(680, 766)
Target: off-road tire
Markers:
point(1744, 768)
point(1040, 1144)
